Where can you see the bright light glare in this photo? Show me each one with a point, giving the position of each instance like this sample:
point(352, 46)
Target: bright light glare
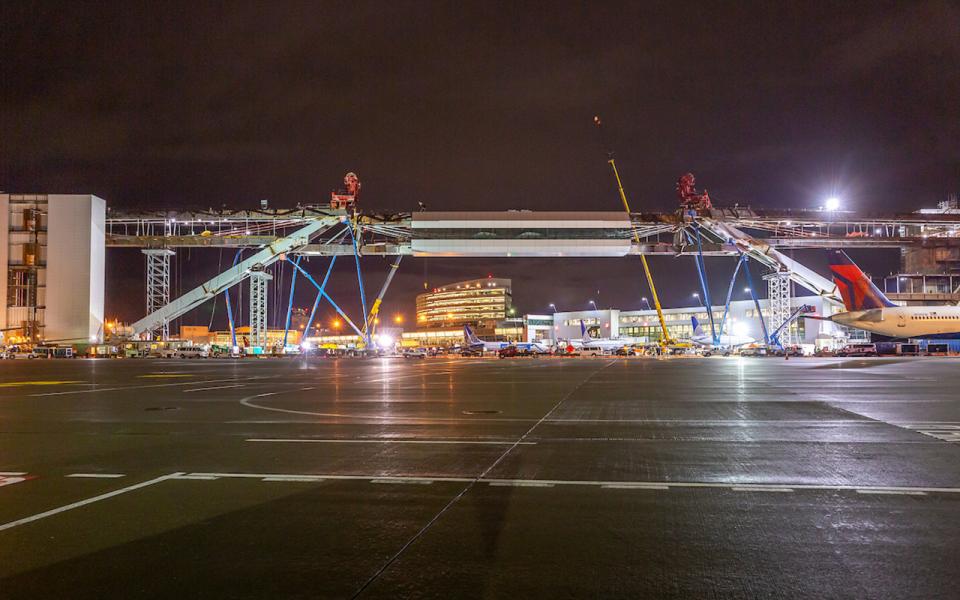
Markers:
point(305, 346)
point(739, 329)
point(746, 290)
point(832, 203)
point(385, 341)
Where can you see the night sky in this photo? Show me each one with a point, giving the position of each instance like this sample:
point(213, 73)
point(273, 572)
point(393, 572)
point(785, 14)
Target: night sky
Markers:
point(481, 106)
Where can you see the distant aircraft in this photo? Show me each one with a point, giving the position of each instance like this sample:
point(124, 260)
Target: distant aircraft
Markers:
point(702, 338)
point(868, 309)
point(602, 344)
point(472, 342)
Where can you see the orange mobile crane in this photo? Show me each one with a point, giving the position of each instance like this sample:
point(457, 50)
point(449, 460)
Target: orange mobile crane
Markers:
point(665, 339)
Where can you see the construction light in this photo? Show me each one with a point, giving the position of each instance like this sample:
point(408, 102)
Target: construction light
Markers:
point(746, 290)
point(832, 203)
point(739, 329)
point(336, 323)
point(398, 319)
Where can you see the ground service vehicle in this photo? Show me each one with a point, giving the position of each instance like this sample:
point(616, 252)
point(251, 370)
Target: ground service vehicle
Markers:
point(858, 350)
point(53, 351)
point(14, 352)
point(414, 353)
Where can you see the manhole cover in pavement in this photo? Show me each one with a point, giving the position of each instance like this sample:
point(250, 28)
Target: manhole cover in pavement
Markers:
point(156, 408)
point(481, 412)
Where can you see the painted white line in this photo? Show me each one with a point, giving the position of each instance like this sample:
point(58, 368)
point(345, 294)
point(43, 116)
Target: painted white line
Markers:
point(11, 480)
point(634, 486)
point(540, 484)
point(307, 389)
point(894, 492)
point(197, 477)
point(132, 387)
point(403, 481)
point(336, 441)
point(74, 505)
point(97, 475)
point(564, 482)
point(12, 473)
point(291, 478)
point(265, 394)
point(216, 387)
point(759, 488)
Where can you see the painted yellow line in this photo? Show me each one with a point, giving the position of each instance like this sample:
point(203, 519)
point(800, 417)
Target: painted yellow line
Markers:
point(20, 383)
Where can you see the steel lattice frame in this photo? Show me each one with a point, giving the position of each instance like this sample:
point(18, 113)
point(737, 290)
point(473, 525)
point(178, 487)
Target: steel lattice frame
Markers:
point(258, 307)
point(158, 287)
point(778, 294)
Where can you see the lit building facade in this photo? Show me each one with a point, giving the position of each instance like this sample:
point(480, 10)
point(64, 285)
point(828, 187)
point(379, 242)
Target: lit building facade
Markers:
point(645, 325)
point(471, 302)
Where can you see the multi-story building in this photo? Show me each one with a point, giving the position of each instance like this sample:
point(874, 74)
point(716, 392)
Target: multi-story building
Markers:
point(477, 302)
point(52, 256)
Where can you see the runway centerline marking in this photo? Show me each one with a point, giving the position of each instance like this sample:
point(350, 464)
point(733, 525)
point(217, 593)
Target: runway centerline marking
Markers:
point(65, 508)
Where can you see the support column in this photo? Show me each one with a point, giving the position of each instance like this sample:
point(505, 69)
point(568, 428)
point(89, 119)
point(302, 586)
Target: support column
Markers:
point(158, 287)
point(258, 306)
point(778, 294)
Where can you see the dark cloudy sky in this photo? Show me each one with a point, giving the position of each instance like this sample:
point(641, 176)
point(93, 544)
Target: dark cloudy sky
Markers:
point(483, 105)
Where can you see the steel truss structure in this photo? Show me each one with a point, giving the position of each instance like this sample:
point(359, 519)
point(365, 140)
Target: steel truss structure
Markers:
point(275, 234)
point(258, 306)
point(781, 311)
point(158, 288)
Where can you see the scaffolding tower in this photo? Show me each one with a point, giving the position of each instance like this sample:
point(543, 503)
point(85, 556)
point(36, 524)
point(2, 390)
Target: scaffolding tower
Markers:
point(258, 306)
point(779, 296)
point(158, 287)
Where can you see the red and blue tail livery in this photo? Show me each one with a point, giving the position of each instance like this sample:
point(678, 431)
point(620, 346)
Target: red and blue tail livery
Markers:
point(856, 289)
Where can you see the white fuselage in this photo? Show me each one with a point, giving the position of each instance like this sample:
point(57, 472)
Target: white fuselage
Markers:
point(903, 321)
point(726, 341)
point(497, 346)
point(604, 344)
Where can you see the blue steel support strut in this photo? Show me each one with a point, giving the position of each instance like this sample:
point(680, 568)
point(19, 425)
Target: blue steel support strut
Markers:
point(316, 303)
point(363, 297)
point(293, 288)
point(702, 272)
point(756, 303)
point(226, 294)
point(733, 281)
point(321, 292)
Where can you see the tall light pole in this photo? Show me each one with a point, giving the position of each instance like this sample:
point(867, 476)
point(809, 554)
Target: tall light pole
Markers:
point(554, 307)
point(593, 304)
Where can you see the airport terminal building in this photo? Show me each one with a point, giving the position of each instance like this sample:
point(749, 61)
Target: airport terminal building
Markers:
point(644, 324)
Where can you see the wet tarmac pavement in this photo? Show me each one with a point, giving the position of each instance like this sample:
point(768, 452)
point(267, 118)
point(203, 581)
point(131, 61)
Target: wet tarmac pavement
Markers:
point(441, 478)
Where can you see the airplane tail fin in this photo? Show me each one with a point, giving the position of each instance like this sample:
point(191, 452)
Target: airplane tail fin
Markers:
point(697, 329)
point(469, 336)
point(584, 336)
point(856, 289)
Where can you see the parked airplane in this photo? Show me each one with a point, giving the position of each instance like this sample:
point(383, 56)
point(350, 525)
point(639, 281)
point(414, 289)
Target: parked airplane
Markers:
point(472, 342)
point(702, 338)
point(589, 344)
point(868, 309)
